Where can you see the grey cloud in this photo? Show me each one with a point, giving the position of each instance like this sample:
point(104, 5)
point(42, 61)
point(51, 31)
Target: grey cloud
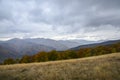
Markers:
point(5, 11)
point(68, 13)
point(109, 4)
point(106, 20)
point(59, 17)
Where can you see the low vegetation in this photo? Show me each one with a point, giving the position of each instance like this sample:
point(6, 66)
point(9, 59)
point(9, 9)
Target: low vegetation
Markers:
point(105, 67)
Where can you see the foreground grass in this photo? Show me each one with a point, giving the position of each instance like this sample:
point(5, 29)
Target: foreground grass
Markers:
point(105, 67)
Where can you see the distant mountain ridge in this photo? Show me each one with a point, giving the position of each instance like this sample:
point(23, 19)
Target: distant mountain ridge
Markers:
point(48, 42)
point(18, 47)
point(96, 44)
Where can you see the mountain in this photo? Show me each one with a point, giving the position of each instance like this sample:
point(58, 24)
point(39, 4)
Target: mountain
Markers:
point(69, 43)
point(18, 47)
point(84, 42)
point(48, 42)
point(6, 52)
point(75, 43)
point(96, 44)
point(60, 44)
point(15, 48)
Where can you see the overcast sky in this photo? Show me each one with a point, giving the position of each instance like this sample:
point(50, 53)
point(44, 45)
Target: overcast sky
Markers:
point(60, 19)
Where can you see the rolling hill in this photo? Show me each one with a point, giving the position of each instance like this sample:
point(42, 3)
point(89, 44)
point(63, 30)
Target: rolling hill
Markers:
point(105, 67)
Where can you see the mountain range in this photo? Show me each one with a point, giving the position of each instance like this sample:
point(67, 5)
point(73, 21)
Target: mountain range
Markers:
point(16, 48)
point(96, 44)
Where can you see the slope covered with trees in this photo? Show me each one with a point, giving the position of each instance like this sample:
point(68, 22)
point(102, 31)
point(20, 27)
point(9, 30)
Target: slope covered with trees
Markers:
point(68, 54)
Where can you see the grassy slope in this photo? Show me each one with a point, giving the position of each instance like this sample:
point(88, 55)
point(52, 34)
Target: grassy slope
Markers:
point(105, 67)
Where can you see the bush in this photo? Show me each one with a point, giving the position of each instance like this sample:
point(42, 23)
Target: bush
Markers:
point(9, 61)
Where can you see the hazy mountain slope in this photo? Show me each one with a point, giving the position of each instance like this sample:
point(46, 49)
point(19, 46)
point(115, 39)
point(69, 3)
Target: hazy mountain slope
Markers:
point(69, 43)
point(21, 46)
point(96, 44)
point(48, 42)
point(75, 43)
point(59, 44)
point(6, 53)
point(17, 47)
point(84, 42)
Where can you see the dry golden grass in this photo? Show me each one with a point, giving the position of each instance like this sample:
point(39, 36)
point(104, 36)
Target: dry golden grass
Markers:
point(105, 67)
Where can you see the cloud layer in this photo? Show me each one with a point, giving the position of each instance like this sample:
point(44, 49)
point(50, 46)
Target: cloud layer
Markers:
point(60, 19)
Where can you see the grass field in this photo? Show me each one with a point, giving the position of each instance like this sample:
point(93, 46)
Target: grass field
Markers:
point(105, 67)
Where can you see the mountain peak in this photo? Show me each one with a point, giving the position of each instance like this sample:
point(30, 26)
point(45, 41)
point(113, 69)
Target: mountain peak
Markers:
point(14, 39)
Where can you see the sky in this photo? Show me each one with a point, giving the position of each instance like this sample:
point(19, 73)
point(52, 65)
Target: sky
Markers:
point(60, 19)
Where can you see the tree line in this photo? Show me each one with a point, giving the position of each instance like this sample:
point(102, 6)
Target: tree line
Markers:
point(63, 55)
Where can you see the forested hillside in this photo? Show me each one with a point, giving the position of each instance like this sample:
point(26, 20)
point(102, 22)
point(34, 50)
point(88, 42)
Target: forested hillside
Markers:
point(68, 54)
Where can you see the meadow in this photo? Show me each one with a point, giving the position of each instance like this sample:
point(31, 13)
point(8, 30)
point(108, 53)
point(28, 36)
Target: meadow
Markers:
point(103, 67)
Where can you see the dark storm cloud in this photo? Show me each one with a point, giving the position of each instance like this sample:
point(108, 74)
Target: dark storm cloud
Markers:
point(63, 18)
